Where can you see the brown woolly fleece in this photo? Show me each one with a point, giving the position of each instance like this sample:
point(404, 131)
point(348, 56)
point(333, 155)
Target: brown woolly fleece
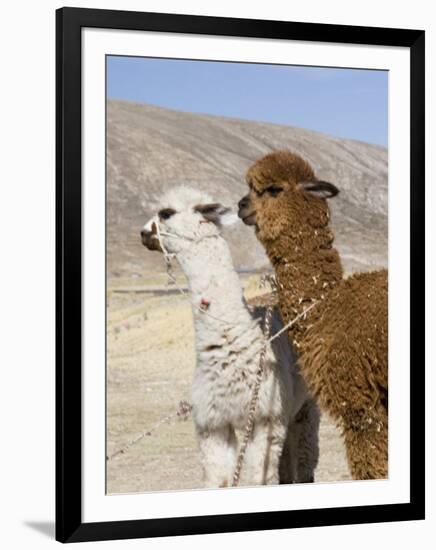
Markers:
point(342, 341)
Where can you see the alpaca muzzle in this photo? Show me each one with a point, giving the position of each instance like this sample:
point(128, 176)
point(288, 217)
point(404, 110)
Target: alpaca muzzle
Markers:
point(149, 238)
point(246, 212)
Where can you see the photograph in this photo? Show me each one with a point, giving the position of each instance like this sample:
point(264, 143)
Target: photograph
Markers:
point(246, 274)
point(217, 335)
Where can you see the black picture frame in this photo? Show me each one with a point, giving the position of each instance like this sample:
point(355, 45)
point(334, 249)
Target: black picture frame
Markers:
point(69, 525)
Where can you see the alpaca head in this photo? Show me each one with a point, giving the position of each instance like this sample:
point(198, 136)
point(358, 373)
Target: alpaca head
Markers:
point(184, 216)
point(284, 196)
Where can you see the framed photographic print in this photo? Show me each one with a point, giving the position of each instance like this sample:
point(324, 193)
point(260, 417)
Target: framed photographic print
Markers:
point(240, 274)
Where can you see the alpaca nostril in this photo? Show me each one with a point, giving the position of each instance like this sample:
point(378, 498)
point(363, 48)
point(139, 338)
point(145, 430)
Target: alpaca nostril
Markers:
point(243, 203)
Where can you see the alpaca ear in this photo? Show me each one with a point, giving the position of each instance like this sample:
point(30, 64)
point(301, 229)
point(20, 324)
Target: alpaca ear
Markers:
point(321, 189)
point(216, 213)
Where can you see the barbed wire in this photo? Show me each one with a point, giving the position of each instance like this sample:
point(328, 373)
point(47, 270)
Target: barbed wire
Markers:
point(183, 411)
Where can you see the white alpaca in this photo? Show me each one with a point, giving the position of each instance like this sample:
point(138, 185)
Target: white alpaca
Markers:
point(228, 340)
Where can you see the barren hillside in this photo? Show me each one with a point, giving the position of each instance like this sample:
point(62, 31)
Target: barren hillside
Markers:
point(150, 149)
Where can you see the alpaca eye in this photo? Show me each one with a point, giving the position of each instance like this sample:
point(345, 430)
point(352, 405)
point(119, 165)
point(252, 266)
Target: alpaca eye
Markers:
point(208, 209)
point(274, 191)
point(166, 213)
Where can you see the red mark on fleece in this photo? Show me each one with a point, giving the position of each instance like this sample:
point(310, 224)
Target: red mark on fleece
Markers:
point(204, 303)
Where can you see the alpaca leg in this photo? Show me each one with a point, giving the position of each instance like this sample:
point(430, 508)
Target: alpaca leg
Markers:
point(261, 465)
point(367, 450)
point(289, 458)
point(307, 449)
point(218, 449)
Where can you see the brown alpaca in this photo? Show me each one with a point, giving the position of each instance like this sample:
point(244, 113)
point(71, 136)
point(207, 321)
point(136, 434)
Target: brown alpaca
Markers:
point(342, 340)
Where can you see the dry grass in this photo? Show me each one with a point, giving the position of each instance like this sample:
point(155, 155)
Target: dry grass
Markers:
point(150, 364)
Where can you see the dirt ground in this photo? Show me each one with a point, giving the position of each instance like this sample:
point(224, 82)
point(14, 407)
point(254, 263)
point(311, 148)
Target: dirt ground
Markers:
point(150, 361)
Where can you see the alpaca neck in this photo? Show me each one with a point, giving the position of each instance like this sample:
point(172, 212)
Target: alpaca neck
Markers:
point(307, 268)
point(214, 285)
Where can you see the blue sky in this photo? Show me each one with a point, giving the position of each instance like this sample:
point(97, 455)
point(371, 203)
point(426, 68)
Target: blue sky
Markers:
point(349, 103)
